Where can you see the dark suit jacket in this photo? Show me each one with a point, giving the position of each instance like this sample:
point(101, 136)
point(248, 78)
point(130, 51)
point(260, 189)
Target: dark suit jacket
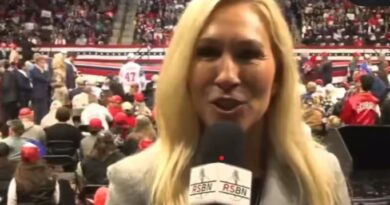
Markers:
point(64, 131)
point(41, 83)
point(326, 71)
point(9, 87)
point(70, 76)
point(24, 87)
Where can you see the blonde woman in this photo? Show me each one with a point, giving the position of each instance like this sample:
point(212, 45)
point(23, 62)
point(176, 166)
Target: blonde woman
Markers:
point(235, 64)
point(60, 92)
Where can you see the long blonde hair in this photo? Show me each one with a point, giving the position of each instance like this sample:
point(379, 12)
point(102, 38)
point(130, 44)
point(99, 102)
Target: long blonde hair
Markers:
point(179, 126)
point(58, 64)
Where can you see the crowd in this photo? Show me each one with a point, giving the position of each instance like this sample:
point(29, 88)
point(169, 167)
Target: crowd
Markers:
point(363, 99)
point(324, 22)
point(95, 124)
point(57, 22)
point(339, 23)
point(156, 20)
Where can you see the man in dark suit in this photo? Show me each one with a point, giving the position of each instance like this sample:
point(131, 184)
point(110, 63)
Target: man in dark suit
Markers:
point(40, 78)
point(326, 69)
point(71, 71)
point(64, 131)
point(9, 93)
point(24, 86)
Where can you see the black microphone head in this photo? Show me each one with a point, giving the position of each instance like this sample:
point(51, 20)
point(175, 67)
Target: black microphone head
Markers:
point(222, 142)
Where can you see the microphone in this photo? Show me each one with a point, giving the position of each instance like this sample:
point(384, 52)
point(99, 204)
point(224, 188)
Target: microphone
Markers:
point(220, 178)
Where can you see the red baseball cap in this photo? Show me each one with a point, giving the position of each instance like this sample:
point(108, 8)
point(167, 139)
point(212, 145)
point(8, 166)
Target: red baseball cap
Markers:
point(145, 143)
point(29, 153)
point(319, 82)
point(116, 99)
point(120, 118)
point(25, 112)
point(139, 97)
point(95, 123)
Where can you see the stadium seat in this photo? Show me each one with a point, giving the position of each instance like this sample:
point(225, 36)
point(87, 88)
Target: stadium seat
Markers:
point(60, 147)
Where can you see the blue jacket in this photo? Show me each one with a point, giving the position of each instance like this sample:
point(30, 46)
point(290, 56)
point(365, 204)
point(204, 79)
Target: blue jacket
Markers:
point(379, 89)
point(41, 83)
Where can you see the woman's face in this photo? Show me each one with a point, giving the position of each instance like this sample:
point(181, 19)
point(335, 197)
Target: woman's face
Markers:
point(233, 68)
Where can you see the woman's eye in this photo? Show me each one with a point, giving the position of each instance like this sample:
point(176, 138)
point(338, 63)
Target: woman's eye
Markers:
point(250, 54)
point(208, 52)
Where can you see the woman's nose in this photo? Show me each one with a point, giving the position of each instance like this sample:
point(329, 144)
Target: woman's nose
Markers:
point(228, 74)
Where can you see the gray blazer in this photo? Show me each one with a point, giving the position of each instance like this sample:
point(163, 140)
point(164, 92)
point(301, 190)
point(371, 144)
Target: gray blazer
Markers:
point(131, 181)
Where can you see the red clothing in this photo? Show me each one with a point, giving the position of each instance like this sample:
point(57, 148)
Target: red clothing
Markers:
point(114, 110)
point(360, 109)
point(130, 120)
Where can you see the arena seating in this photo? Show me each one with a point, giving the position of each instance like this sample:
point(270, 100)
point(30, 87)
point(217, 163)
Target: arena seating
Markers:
point(339, 23)
point(57, 22)
point(324, 22)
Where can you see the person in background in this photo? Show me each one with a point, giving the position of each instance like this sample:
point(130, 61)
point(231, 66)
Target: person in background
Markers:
point(9, 98)
point(32, 131)
point(383, 63)
point(326, 69)
point(14, 56)
point(3, 120)
point(24, 85)
point(80, 86)
point(362, 108)
point(139, 106)
point(134, 89)
point(4, 53)
point(34, 182)
point(353, 66)
point(143, 130)
point(7, 167)
point(50, 118)
point(130, 73)
point(71, 70)
point(116, 87)
point(130, 117)
point(62, 130)
point(115, 105)
point(103, 154)
point(87, 143)
point(150, 90)
point(58, 81)
point(313, 116)
point(81, 101)
point(14, 140)
point(311, 88)
point(41, 79)
point(95, 110)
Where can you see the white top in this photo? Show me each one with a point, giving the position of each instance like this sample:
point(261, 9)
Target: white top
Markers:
point(95, 110)
point(129, 73)
point(13, 199)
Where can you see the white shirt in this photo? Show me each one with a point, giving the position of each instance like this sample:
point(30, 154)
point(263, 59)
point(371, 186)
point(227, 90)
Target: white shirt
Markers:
point(12, 198)
point(95, 110)
point(129, 73)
